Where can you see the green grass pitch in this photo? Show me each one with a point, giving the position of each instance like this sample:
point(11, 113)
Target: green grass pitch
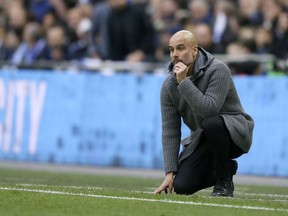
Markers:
point(29, 193)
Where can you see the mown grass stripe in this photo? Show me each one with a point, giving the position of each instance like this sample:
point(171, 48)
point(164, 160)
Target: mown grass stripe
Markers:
point(145, 199)
point(266, 195)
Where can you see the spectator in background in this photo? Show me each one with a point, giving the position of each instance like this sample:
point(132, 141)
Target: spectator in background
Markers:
point(11, 43)
point(237, 48)
point(226, 19)
point(205, 40)
point(245, 45)
point(39, 8)
point(131, 34)
point(270, 10)
point(166, 22)
point(49, 20)
point(31, 47)
point(280, 36)
point(61, 7)
point(86, 11)
point(223, 33)
point(79, 24)
point(4, 53)
point(246, 36)
point(17, 17)
point(249, 13)
point(125, 32)
point(200, 12)
point(56, 45)
point(263, 41)
point(99, 32)
point(164, 15)
point(74, 17)
point(240, 49)
point(79, 49)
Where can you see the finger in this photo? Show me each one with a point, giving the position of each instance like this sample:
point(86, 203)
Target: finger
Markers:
point(170, 190)
point(158, 190)
point(179, 63)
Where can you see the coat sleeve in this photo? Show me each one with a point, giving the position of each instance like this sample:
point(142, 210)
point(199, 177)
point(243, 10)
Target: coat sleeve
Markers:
point(171, 131)
point(209, 102)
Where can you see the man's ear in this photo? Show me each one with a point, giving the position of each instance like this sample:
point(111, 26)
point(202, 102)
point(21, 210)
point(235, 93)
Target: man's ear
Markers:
point(194, 50)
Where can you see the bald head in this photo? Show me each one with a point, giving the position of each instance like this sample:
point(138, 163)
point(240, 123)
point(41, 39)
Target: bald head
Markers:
point(183, 47)
point(188, 36)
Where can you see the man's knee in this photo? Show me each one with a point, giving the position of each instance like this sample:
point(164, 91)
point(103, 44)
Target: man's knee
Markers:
point(212, 123)
point(184, 188)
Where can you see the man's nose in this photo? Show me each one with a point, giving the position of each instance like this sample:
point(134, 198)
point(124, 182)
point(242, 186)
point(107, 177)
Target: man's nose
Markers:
point(174, 53)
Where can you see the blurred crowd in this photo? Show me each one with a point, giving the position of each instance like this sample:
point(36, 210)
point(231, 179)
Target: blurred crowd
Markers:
point(138, 30)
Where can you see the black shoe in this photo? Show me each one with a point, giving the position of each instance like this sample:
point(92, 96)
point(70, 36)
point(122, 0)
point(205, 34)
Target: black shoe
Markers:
point(223, 188)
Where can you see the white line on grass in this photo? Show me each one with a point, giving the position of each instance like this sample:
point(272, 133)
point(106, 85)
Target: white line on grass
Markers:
point(152, 189)
point(264, 195)
point(234, 198)
point(151, 192)
point(145, 199)
point(240, 192)
point(62, 186)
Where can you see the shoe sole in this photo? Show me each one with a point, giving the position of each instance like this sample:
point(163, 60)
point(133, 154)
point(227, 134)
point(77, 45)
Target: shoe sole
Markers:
point(222, 195)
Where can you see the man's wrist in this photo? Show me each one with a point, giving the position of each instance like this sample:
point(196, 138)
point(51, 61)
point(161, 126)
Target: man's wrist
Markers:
point(181, 80)
point(170, 174)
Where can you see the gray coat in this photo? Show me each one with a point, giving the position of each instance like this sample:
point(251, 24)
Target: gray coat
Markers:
point(209, 91)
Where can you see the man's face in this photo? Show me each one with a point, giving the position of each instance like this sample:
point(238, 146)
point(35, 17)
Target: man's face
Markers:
point(117, 4)
point(181, 50)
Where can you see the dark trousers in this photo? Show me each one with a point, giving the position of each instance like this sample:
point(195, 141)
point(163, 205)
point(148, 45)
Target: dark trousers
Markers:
point(211, 160)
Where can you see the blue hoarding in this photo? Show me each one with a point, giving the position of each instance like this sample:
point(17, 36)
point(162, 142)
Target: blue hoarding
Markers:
point(93, 119)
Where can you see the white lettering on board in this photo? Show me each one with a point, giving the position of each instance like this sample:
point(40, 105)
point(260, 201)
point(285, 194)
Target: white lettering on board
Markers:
point(15, 98)
point(36, 106)
point(2, 106)
point(9, 116)
point(21, 89)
